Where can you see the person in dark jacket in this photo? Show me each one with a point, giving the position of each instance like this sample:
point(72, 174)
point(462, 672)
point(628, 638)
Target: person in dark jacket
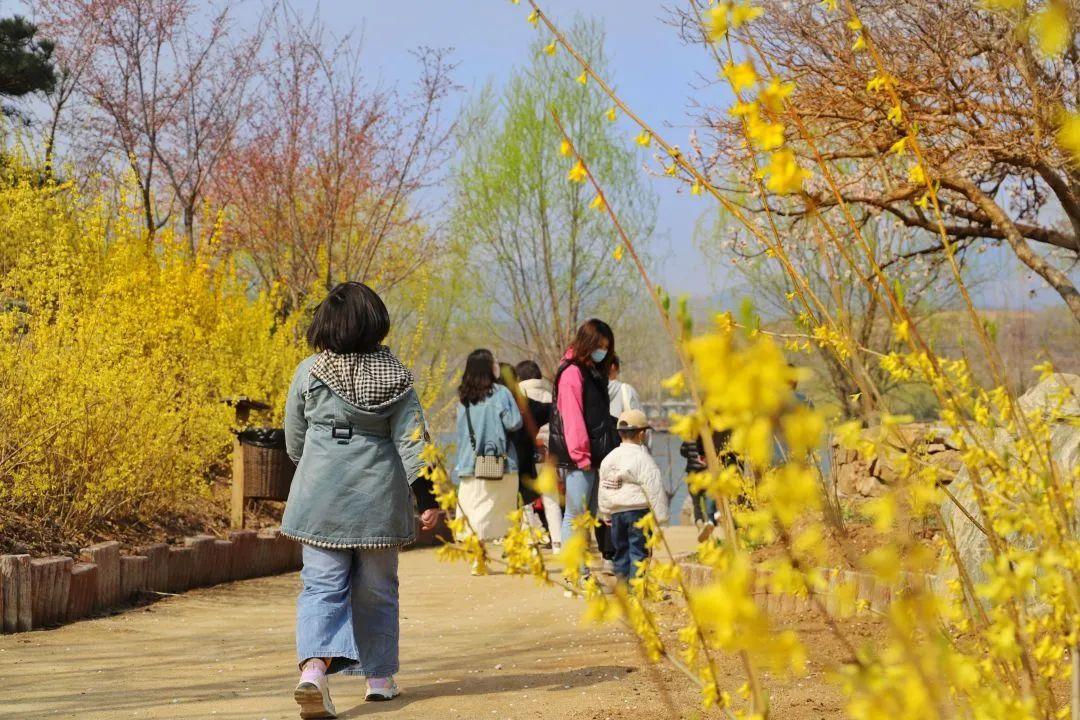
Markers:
point(582, 429)
point(548, 508)
point(705, 509)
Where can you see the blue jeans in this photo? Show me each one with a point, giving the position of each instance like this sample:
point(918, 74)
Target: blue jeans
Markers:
point(629, 542)
point(579, 497)
point(704, 507)
point(348, 610)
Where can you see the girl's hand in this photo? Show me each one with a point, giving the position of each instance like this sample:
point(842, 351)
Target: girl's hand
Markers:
point(430, 518)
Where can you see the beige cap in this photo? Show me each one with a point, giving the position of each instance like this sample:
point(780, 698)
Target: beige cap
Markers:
point(633, 420)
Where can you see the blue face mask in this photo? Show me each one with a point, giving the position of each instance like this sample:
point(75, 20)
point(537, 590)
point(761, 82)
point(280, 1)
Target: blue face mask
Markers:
point(598, 355)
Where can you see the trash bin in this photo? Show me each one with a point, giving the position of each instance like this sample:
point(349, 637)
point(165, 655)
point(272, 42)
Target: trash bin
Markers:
point(268, 471)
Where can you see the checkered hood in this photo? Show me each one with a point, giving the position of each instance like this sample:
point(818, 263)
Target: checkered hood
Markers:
point(370, 381)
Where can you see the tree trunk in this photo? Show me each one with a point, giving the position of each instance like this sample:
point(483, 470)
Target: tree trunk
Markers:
point(1055, 277)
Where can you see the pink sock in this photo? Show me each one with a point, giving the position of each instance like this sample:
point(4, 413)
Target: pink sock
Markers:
point(313, 671)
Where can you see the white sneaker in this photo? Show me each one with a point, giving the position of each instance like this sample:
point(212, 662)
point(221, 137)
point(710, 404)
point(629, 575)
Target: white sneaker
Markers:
point(381, 689)
point(312, 694)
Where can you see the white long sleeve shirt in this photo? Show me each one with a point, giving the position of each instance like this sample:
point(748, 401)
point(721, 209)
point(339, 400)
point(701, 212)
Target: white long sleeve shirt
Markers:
point(631, 480)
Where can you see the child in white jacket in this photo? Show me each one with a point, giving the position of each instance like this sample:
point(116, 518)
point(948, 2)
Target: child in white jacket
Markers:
point(630, 486)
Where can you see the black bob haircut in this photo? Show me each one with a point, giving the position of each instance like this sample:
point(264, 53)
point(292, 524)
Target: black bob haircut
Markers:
point(351, 319)
point(528, 370)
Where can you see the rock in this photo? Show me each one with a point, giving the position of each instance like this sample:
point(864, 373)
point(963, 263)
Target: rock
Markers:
point(848, 476)
point(972, 545)
point(950, 462)
point(1058, 394)
point(869, 486)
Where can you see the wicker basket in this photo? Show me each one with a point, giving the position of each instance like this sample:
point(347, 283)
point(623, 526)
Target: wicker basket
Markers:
point(268, 471)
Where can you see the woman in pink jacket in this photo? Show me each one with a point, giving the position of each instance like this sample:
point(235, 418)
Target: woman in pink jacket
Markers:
point(582, 429)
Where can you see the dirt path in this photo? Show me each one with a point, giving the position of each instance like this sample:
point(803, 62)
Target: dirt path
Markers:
point(487, 647)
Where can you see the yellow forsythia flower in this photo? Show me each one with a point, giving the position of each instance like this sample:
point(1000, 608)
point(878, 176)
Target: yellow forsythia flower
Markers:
point(765, 135)
point(879, 83)
point(618, 254)
point(644, 139)
point(1003, 5)
point(773, 96)
point(917, 175)
point(547, 481)
point(718, 22)
point(577, 173)
point(597, 203)
point(1050, 26)
point(676, 384)
point(564, 148)
point(901, 330)
point(550, 48)
point(744, 13)
point(899, 147)
point(583, 77)
point(1068, 135)
point(860, 43)
point(612, 113)
point(741, 76)
point(534, 17)
point(784, 173)
point(895, 115)
point(695, 188)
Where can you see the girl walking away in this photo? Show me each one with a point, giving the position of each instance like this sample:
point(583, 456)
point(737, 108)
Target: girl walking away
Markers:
point(487, 462)
point(354, 426)
point(582, 430)
point(630, 487)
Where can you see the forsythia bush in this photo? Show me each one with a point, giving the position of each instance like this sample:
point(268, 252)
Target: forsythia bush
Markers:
point(116, 354)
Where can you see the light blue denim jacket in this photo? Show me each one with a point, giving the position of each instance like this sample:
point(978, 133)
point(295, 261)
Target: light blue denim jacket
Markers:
point(351, 487)
point(492, 418)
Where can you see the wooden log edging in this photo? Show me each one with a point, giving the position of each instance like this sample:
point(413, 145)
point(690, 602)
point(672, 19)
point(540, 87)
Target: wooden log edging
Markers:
point(863, 593)
point(51, 591)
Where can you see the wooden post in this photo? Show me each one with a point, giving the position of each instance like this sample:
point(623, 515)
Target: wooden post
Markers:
point(243, 407)
point(236, 519)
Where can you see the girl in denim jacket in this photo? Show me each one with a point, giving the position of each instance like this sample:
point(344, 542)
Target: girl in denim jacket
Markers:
point(354, 426)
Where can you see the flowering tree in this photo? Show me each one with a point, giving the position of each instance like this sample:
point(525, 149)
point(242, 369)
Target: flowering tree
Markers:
point(165, 84)
point(326, 180)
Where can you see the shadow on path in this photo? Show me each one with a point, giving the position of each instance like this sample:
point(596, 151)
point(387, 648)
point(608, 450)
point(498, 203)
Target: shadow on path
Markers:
point(497, 682)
